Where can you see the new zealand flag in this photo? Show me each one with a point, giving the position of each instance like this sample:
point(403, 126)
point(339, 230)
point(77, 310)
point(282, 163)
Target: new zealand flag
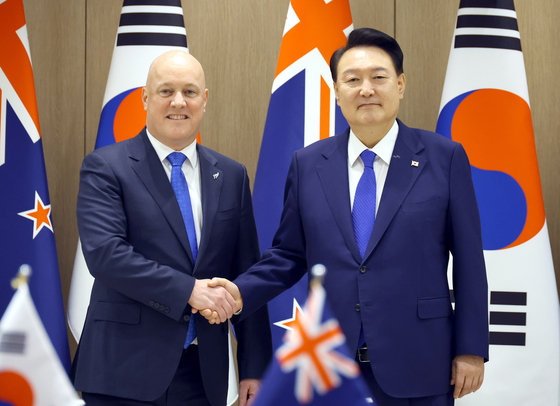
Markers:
point(302, 110)
point(313, 366)
point(26, 229)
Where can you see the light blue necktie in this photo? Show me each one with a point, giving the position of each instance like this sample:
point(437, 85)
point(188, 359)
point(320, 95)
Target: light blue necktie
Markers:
point(363, 212)
point(181, 189)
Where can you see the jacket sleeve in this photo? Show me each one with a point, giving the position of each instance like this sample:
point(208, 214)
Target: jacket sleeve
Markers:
point(470, 285)
point(284, 264)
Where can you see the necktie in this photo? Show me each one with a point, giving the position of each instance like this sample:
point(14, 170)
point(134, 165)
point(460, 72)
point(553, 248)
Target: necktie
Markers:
point(363, 212)
point(181, 189)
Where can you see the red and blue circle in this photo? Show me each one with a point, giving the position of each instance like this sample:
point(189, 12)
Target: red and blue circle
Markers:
point(122, 118)
point(495, 128)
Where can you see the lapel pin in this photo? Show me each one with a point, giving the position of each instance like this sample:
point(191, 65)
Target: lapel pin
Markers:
point(216, 175)
point(414, 163)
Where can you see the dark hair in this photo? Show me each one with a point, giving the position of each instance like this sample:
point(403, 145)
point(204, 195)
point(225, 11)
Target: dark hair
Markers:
point(368, 37)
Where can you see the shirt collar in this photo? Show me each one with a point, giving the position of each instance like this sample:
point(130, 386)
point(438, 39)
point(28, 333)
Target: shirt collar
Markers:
point(383, 149)
point(163, 150)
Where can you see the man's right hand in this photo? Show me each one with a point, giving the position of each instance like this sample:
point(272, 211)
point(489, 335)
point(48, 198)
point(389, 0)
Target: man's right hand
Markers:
point(214, 300)
point(212, 316)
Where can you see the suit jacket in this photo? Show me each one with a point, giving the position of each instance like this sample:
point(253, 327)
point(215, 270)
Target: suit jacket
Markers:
point(400, 288)
point(136, 246)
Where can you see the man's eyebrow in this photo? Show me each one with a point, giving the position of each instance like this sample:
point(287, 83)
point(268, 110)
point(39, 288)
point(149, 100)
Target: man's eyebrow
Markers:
point(354, 70)
point(164, 84)
point(169, 84)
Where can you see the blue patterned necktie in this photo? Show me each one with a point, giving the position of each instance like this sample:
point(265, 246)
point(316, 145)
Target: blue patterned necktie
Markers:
point(181, 189)
point(363, 212)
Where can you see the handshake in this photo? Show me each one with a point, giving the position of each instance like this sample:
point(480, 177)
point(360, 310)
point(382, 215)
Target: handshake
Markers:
point(216, 299)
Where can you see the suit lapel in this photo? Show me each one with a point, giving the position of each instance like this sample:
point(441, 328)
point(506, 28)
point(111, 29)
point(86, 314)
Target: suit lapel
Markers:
point(334, 180)
point(211, 180)
point(149, 169)
point(401, 177)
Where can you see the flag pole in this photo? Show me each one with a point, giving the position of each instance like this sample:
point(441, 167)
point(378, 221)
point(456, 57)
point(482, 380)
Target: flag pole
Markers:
point(318, 273)
point(22, 277)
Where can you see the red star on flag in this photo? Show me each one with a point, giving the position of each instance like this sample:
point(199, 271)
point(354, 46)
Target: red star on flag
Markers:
point(40, 215)
point(310, 348)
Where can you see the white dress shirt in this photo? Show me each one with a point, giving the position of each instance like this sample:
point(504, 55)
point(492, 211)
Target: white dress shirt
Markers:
point(191, 170)
point(383, 153)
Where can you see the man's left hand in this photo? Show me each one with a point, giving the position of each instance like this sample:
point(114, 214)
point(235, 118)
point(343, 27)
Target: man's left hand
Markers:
point(218, 300)
point(467, 374)
point(248, 389)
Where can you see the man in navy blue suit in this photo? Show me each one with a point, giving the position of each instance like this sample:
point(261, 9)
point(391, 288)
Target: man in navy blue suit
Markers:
point(150, 274)
point(386, 245)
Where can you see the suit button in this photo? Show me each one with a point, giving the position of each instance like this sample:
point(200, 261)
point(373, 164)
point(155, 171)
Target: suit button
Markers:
point(151, 303)
point(187, 318)
point(166, 310)
point(156, 306)
point(357, 307)
point(363, 269)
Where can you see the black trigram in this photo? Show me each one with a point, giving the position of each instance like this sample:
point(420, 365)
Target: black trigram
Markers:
point(475, 19)
point(12, 342)
point(501, 318)
point(508, 318)
point(152, 23)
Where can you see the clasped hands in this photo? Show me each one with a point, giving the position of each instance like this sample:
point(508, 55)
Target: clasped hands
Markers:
point(215, 299)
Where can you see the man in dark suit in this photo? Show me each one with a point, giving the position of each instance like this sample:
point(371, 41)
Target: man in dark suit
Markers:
point(384, 227)
point(152, 260)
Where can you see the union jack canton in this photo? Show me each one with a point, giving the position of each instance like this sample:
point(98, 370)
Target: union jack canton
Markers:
point(313, 366)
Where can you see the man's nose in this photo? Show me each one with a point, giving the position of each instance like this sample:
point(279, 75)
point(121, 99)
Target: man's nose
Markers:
point(367, 88)
point(178, 100)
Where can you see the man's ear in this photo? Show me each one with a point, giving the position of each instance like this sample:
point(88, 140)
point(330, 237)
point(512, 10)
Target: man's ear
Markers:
point(145, 98)
point(335, 87)
point(401, 83)
point(205, 98)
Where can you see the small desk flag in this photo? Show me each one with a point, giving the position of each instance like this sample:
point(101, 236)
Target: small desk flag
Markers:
point(30, 370)
point(313, 366)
